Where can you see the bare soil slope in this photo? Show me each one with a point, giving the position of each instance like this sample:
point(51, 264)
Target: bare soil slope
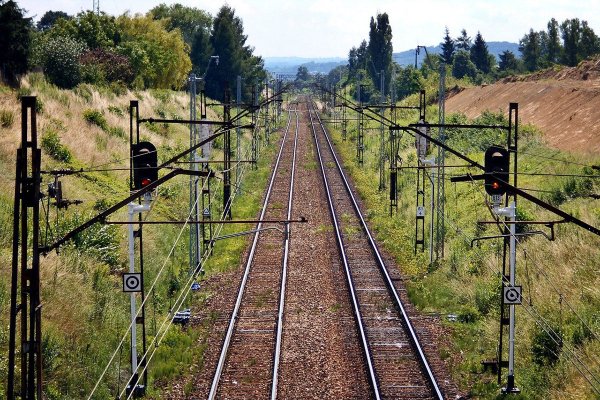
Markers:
point(564, 103)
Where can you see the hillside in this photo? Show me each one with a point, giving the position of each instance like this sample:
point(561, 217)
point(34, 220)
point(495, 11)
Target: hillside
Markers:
point(564, 103)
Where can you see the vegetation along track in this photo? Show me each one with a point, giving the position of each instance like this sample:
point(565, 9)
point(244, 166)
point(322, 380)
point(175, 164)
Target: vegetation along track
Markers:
point(396, 363)
point(248, 364)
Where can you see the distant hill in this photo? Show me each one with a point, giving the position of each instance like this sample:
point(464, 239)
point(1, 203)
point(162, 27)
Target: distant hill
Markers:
point(289, 65)
point(407, 57)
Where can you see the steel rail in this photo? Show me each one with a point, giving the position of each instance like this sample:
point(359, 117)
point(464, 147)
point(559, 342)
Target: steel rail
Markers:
point(234, 316)
point(279, 336)
point(388, 281)
point(359, 320)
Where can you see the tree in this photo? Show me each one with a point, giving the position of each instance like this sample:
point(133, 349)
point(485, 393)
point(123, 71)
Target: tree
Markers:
point(357, 59)
point(480, 55)
point(94, 30)
point(571, 34)
point(553, 47)
point(508, 61)
point(201, 52)
point(60, 60)
point(14, 41)
point(463, 42)
point(235, 57)
point(189, 20)
point(409, 80)
point(463, 66)
point(335, 75)
point(380, 48)
point(529, 46)
point(50, 18)
point(99, 66)
point(589, 43)
point(302, 75)
point(448, 48)
point(159, 58)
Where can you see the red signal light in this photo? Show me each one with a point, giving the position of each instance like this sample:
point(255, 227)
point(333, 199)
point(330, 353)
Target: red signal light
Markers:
point(495, 185)
point(145, 182)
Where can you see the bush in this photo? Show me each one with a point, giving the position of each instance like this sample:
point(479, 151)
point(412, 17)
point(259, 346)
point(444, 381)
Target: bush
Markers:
point(101, 66)
point(116, 110)
point(6, 118)
point(116, 131)
point(545, 350)
point(85, 92)
point(98, 241)
point(60, 60)
point(96, 117)
point(51, 144)
point(468, 314)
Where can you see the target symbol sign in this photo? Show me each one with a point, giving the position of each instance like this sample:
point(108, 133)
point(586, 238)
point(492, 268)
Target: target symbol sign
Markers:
point(512, 295)
point(132, 282)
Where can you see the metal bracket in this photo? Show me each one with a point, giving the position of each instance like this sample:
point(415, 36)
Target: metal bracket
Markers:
point(551, 237)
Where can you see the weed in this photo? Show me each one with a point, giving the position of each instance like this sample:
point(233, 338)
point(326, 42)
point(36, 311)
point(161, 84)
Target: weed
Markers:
point(22, 92)
point(116, 110)
point(95, 117)
point(54, 148)
point(84, 91)
point(6, 118)
point(116, 131)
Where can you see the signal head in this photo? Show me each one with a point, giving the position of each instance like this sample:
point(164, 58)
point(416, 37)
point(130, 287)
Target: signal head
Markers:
point(497, 163)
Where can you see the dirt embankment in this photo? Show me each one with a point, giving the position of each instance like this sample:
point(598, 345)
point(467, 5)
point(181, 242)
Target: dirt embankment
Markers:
point(564, 103)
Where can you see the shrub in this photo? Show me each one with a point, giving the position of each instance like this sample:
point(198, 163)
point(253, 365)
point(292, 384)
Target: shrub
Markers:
point(6, 118)
point(23, 91)
point(98, 241)
point(116, 110)
point(60, 60)
point(100, 66)
point(468, 314)
point(84, 91)
point(116, 131)
point(545, 350)
point(51, 144)
point(95, 117)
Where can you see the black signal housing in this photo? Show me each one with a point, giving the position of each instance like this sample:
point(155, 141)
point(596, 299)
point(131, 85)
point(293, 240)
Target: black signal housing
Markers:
point(497, 163)
point(145, 161)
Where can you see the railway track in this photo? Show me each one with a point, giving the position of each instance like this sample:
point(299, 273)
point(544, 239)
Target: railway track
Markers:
point(249, 360)
point(395, 361)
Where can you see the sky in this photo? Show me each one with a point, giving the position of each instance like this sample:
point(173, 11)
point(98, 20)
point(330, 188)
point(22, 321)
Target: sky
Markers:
point(329, 28)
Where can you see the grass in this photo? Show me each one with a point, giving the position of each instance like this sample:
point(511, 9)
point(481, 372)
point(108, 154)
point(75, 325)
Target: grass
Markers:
point(466, 283)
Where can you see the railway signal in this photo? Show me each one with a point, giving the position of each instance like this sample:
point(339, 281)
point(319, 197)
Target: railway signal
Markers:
point(497, 162)
point(145, 161)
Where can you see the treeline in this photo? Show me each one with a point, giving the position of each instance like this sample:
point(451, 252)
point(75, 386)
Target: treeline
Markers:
point(567, 43)
point(155, 50)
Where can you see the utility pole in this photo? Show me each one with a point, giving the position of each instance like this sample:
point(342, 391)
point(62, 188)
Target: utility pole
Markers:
point(255, 122)
point(360, 139)
point(382, 134)
point(194, 248)
point(227, 154)
point(134, 284)
point(26, 262)
point(441, 174)
point(238, 131)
